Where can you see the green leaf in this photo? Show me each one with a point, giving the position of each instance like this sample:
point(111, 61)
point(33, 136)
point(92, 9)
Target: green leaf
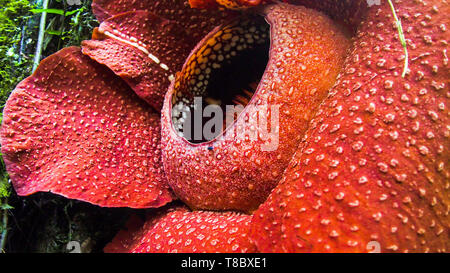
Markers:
point(68, 13)
point(53, 11)
point(5, 207)
point(57, 11)
point(53, 32)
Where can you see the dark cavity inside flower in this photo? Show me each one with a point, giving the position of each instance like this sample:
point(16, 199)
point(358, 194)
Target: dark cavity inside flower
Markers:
point(224, 70)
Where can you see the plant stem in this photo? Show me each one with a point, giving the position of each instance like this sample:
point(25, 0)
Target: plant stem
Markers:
point(401, 37)
point(37, 55)
point(4, 230)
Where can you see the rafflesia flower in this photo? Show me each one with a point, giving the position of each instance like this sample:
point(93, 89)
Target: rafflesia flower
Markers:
point(358, 91)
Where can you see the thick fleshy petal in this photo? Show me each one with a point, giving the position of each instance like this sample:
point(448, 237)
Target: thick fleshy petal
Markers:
point(143, 49)
point(345, 12)
point(182, 231)
point(230, 4)
point(194, 21)
point(148, 45)
point(348, 13)
point(75, 129)
point(203, 4)
point(372, 173)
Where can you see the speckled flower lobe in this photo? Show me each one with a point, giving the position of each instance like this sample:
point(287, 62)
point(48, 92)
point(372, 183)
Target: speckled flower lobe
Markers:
point(75, 129)
point(178, 230)
point(373, 167)
point(146, 42)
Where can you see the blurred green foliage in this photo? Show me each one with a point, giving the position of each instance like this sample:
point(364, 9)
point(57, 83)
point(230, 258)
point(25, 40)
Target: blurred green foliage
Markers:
point(67, 25)
point(19, 22)
point(14, 60)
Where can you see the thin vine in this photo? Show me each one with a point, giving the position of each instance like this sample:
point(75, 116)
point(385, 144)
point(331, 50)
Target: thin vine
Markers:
point(401, 37)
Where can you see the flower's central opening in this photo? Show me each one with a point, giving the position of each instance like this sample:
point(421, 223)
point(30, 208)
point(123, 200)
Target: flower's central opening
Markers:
point(220, 78)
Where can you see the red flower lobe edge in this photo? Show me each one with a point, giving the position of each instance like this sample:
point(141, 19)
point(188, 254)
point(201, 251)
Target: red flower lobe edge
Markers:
point(76, 129)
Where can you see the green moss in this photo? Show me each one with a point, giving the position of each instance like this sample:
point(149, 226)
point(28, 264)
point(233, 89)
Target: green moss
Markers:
point(14, 59)
point(4, 188)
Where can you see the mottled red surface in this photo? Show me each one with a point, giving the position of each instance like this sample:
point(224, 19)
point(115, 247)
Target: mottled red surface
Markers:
point(196, 22)
point(345, 12)
point(154, 37)
point(154, 49)
point(179, 230)
point(306, 55)
point(231, 4)
point(75, 129)
point(203, 4)
point(372, 166)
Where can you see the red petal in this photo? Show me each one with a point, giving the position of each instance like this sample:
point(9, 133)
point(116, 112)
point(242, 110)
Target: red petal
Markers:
point(203, 4)
point(182, 231)
point(346, 12)
point(371, 171)
point(231, 4)
point(75, 129)
point(143, 49)
point(196, 22)
point(349, 13)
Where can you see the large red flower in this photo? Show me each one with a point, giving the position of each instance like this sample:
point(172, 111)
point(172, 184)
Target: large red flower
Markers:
point(360, 159)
